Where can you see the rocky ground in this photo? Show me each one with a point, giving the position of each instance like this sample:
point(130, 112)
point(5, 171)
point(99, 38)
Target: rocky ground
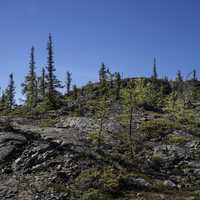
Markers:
point(63, 162)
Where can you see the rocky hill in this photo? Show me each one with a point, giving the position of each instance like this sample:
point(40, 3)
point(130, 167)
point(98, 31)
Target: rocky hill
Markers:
point(138, 139)
point(63, 161)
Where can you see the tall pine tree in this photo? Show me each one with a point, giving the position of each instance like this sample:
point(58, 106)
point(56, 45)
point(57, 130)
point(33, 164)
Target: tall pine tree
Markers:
point(42, 85)
point(194, 75)
point(155, 74)
point(118, 85)
point(10, 94)
point(52, 82)
point(68, 82)
point(30, 84)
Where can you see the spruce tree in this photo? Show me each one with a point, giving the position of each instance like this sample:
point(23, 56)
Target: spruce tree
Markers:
point(75, 92)
point(102, 74)
point(42, 85)
point(3, 101)
point(30, 84)
point(10, 94)
point(194, 75)
point(110, 78)
point(103, 79)
point(155, 74)
point(52, 82)
point(68, 82)
point(179, 77)
point(118, 85)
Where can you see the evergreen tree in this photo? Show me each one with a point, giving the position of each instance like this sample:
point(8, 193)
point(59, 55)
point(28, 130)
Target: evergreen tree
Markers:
point(103, 79)
point(42, 85)
point(10, 94)
point(52, 82)
point(179, 77)
point(131, 103)
point(102, 110)
point(75, 92)
point(155, 75)
point(103, 74)
point(194, 75)
point(68, 82)
point(3, 101)
point(179, 85)
point(110, 78)
point(30, 84)
point(118, 85)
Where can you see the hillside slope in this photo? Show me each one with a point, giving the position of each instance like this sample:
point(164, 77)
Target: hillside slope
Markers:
point(64, 161)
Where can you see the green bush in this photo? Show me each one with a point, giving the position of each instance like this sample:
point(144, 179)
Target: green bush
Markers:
point(96, 183)
point(48, 122)
point(92, 137)
point(158, 127)
point(177, 139)
point(92, 194)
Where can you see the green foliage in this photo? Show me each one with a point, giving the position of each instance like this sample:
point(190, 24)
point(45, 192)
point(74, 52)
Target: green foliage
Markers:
point(10, 94)
point(103, 74)
point(97, 183)
point(93, 137)
point(92, 194)
point(177, 139)
point(155, 74)
point(179, 77)
point(197, 193)
point(117, 85)
point(30, 85)
point(48, 122)
point(101, 109)
point(52, 82)
point(75, 92)
point(68, 82)
point(158, 127)
point(41, 85)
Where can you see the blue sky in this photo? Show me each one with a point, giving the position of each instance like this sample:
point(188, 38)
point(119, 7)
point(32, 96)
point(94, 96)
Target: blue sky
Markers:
point(124, 34)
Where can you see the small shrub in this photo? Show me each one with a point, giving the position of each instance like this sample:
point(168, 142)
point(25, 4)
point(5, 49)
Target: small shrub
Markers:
point(177, 139)
point(48, 122)
point(93, 137)
point(92, 194)
point(158, 127)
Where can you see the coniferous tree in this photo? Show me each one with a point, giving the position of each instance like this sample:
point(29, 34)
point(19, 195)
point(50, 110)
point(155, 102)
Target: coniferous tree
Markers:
point(110, 78)
point(10, 94)
point(194, 75)
point(118, 85)
point(179, 77)
point(42, 85)
point(103, 79)
point(3, 101)
point(155, 74)
point(30, 84)
point(102, 74)
point(131, 101)
point(102, 110)
point(52, 82)
point(75, 92)
point(179, 84)
point(68, 82)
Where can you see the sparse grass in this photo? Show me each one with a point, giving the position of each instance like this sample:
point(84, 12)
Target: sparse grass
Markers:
point(177, 139)
point(48, 122)
point(97, 183)
point(158, 127)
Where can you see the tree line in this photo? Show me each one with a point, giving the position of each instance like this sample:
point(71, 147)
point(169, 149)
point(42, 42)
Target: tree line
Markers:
point(45, 87)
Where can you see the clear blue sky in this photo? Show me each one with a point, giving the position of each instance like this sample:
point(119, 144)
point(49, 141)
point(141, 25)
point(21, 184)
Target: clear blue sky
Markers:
point(125, 34)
